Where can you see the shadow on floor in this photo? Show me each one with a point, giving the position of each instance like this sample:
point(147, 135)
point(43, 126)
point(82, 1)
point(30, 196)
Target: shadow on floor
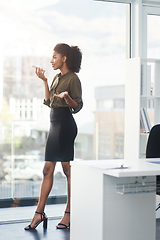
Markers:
point(16, 231)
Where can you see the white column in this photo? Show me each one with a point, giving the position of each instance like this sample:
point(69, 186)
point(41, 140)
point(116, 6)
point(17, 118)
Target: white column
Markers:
point(136, 17)
point(138, 30)
point(132, 109)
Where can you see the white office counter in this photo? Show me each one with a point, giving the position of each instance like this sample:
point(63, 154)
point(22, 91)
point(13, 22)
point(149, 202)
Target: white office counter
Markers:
point(113, 199)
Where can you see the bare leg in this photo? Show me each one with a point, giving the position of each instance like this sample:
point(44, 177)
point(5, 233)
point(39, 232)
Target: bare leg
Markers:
point(66, 218)
point(46, 187)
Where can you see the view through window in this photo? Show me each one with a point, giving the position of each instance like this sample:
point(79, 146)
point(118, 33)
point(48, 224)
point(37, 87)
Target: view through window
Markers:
point(29, 31)
point(153, 48)
point(153, 53)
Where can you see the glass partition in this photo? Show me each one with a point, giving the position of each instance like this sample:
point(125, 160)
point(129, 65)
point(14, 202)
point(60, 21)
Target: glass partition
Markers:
point(153, 55)
point(153, 36)
point(29, 32)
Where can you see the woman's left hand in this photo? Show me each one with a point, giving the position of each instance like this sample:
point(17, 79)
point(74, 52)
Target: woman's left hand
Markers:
point(67, 98)
point(62, 95)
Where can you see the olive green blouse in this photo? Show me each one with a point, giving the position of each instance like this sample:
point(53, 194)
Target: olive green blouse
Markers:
point(68, 82)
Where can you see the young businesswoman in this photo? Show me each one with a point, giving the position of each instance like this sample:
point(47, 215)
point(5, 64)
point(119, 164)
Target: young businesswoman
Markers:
point(64, 98)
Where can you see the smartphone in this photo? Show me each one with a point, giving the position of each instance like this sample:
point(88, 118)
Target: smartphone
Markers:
point(34, 66)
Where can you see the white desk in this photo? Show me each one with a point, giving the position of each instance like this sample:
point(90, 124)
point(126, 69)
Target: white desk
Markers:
point(108, 203)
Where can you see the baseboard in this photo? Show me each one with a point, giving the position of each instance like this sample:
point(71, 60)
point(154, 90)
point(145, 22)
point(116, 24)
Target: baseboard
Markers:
point(22, 202)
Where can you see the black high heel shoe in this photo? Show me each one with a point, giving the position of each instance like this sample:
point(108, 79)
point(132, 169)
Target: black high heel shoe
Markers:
point(43, 219)
point(64, 225)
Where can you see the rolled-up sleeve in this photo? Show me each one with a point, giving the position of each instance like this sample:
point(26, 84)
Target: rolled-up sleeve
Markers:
point(76, 94)
point(47, 102)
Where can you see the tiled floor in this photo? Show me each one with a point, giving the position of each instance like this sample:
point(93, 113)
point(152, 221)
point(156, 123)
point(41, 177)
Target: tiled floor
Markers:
point(158, 229)
point(13, 221)
point(16, 232)
point(11, 228)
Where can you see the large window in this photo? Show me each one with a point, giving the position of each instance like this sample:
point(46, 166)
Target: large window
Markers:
point(153, 38)
point(153, 53)
point(29, 32)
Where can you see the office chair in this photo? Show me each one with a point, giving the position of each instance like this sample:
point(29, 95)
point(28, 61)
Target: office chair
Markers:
point(153, 150)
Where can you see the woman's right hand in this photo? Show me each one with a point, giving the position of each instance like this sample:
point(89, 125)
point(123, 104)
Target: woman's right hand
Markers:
point(40, 73)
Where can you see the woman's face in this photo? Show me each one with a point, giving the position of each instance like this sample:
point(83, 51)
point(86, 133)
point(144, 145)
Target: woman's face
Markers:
point(57, 61)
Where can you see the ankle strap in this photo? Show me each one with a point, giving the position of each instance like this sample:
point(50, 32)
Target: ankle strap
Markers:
point(67, 212)
point(40, 212)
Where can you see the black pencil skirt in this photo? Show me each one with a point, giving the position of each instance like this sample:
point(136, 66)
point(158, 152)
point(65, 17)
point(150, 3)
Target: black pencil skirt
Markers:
point(62, 133)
